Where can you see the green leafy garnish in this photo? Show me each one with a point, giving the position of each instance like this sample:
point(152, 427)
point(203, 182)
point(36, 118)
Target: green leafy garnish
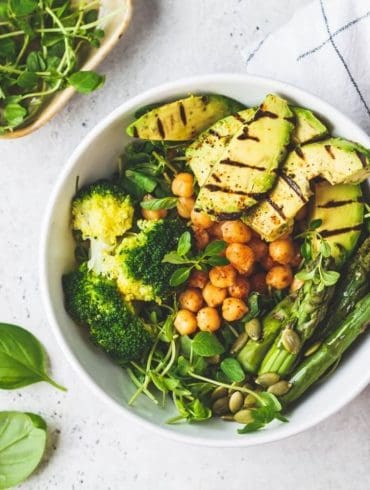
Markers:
point(206, 344)
point(232, 369)
point(268, 409)
point(157, 204)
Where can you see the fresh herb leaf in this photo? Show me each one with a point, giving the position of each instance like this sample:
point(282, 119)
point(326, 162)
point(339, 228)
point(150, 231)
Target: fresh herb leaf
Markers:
point(14, 114)
point(157, 204)
point(216, 260)
point(143, 181)
point(184, 244)
point(86, 81)
point(206, 344)
point(23, 7)
point(174, 258)
point(22, 445)
point(330, 277)
point(35, 62)
point(27, 80)
point(180, 276)
point(316, 223)
point(7, 48)
point(233, 370)
point(215, 248)
point(268, 409)
point(254, 308)
point(22, 359)
point(325, 249)
point(306, 250)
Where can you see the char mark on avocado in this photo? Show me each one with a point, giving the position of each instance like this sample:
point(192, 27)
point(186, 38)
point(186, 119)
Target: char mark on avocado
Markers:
point(246, 136)
point(233, 163)
point(239, 118)
point(299, 152)
point(160, 128)
point(182, 113)
point(294, 186)
point(340, 231)
point(135, 132)
point(338, 204)
point(362, 158)
point(330, 151)
point(227, 190)
point(214, 133)
point(205, 99)
point(290, 119)
point(217, 178)
point(260, 114)
point(277, 208)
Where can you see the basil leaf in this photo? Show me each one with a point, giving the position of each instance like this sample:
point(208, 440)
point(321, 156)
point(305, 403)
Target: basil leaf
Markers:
point(206, 344)
point(184, 244)
point(22, 445)
point(233, 370)
point(305, 275)
point(180, 276)
point(325, 249)
point(217, 260)
point(215, 248)
point(23, 7)
point(174, 258)
point(22, 359)
point(156, 204)
point(14, 114)
point(143, 181)
point(86, 81)
point(330, 277)
point(35, 62)
point(27, 80)
point(306, 250)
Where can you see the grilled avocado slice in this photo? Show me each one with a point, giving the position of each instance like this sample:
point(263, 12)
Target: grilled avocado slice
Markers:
point(335, 159)
point(183, 119)
point(341, 210)
point(207, 149)
point(248, 167)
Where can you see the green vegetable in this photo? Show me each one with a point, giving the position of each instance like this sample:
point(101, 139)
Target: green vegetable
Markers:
point(206, 344)
point(23, 360)
point(22, 445)
point(42, 46)
point(268, 409)
point(156, 204)
point(232, 369)
point(330, 351)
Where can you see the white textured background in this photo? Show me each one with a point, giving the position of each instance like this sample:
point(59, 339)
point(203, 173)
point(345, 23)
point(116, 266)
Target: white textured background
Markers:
point(90, 446)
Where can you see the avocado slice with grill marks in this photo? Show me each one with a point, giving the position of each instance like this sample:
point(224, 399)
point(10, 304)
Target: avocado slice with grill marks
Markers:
point(341, 211)
point(248, 167)
point(183, 119)
point(335, 160)
point(307, 126)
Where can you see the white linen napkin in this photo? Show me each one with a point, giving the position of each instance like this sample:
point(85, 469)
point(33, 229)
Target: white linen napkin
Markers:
point(325, 49)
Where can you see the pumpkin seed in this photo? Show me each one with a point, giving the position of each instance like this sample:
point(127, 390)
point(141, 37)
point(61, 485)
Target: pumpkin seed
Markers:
point(236, 401)
point(221, 406)
point(279, 388)
point(267, 379)
point(239, 343)
point(219, 392)
point(214, 359)
point(291, 341)
point(243, 416)
point(249, 401)
point(253, 329)
point(311, 350)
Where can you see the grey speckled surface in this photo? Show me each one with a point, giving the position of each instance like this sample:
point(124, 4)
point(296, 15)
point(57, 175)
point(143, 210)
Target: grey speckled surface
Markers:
point(90, 446)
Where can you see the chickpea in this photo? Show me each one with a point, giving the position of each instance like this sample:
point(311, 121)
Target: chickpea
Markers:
point(258, 283)
point(198, 279)
point(279, 277)
point(236, 232)
point(201, 237)
point(233, 309)
point(208, 319)
point(240, 289)
point(203, 220)
point(185, 322)
point(213, 295)
point(185, 206)
point(267, 262)
point(191, 299)
point(216, 230)
point(259, 247)
point(241, 257)
point(282, 250)
point(222, 276)
point(151, 215)
point(182, 185)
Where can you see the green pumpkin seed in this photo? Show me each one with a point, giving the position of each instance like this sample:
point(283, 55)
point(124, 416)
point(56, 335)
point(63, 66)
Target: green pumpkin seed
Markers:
point(221, 406)
point(244, 416)
point(219, 392)
point(279, 388)
point(236, 402)
point(253, 329)
point(239, 343)
point(249, 401)
point(291, 341)
point(267, 379)
point(311, 350)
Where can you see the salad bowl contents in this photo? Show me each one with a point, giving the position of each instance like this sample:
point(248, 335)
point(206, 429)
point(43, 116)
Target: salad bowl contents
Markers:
point(225, 264)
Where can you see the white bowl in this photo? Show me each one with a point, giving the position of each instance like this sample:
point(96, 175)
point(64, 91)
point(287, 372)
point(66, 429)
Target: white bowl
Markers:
point(96, 157)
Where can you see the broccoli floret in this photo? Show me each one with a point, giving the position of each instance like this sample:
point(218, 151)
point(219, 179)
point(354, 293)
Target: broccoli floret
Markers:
point(94, 300)
point(102, 211)
point(140, 272)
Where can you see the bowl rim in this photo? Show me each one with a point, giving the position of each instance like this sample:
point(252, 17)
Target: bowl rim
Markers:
point(179, 85)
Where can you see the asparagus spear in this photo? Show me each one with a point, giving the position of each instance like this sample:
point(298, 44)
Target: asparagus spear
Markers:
point(330, 351)
point(252, 354)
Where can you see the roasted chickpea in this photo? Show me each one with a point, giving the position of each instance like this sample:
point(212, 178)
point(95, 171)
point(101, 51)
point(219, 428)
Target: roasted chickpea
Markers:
point(258, 282)
point(201, 237)
point(241, 257)
point(191, 299)
point(200, 219)
point(233, 309)
point(222, 276)
point(213, 295)
point(259, 247)
point(282, 250)
point(151, 215)
point(185, 206)
point(236, 232)
point(279, 277)
point(268, 262)
point(208, 319)
point(240, 289)
point(182, 184)
point(216, 230)
point(198, 279)
point(185, 322)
